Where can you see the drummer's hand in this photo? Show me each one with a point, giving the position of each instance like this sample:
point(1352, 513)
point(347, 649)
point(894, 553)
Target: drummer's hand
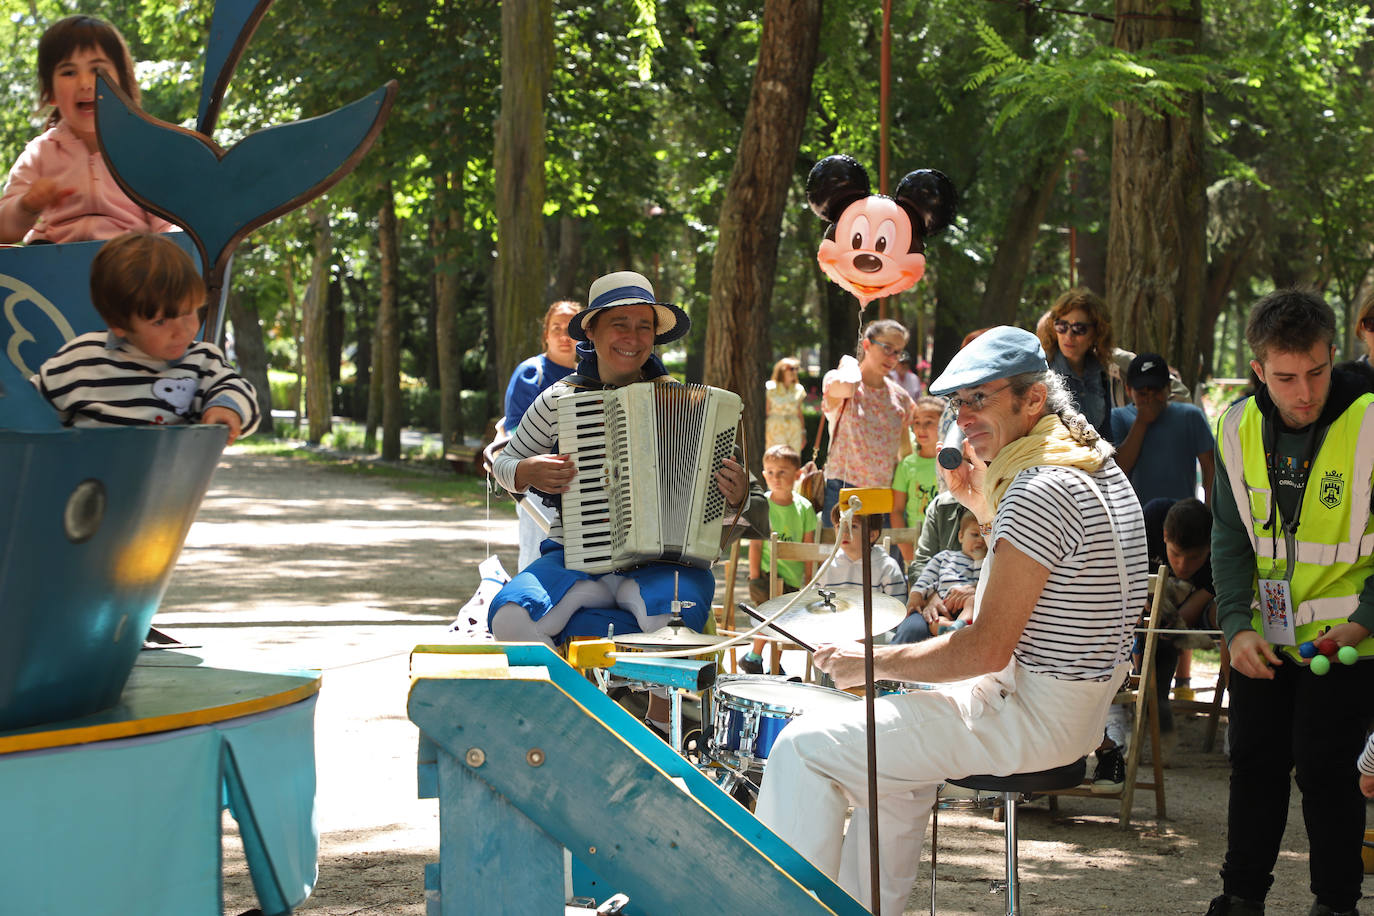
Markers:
point(844, 663)
point(966, 482)
point(733, 482)
point(549, 473)
point(959, 597)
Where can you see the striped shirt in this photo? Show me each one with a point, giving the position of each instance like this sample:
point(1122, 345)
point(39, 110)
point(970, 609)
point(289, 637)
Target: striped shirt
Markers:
point(98, 379)
point(945, 570)
point(537, 434)
point(1366, 762)
point(1080, 628)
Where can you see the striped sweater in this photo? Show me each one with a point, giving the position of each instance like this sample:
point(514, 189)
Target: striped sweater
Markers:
point(99, 379)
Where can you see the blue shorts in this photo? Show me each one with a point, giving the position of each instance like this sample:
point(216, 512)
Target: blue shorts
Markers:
point(542, 584)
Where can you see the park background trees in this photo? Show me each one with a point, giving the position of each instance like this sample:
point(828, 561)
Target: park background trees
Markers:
point(1180, 158)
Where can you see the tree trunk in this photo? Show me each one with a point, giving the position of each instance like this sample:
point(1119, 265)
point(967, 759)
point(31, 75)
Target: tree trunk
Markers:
point(447, 220)
point(526, 57)
point(738, 344)
point(314, 329)
point(389, 328)
point(288, 270)
point(251, 352)
point(1011, 264)
point(567, 275)
point(1157, 252)
point(363, 325)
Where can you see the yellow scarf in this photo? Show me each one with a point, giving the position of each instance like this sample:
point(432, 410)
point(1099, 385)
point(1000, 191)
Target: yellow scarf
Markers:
point(1048, 442)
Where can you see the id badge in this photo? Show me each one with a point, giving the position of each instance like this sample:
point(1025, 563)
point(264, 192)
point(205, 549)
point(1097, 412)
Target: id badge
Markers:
point(1276, 612)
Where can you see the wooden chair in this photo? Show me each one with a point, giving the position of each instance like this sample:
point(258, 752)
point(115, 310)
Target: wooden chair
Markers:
point(1214, 707)
point(790, 550)
point(724, 613)
point(1140, 692)
point(892, 536)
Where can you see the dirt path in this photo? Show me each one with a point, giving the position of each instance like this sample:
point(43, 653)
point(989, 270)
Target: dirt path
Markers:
point(292, 565)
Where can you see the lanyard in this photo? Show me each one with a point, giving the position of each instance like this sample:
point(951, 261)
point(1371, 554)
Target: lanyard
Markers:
point(1271, 466)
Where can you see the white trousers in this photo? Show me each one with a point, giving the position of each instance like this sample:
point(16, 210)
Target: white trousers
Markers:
point(1004, 723)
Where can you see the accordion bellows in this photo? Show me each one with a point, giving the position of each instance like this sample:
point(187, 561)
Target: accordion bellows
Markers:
point(645, 489)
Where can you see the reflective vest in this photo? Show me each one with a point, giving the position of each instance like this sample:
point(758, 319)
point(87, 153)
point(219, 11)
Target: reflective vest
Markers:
point(1334, 542)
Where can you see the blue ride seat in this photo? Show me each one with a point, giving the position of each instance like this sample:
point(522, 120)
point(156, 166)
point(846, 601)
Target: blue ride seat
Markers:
point(96, 516)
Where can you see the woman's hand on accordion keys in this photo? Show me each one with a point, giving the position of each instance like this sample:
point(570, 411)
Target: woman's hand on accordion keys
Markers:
point(733, 483)
point(546, 473)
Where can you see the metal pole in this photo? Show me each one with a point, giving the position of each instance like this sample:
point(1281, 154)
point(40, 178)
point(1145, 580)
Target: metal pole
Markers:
point(875, 876)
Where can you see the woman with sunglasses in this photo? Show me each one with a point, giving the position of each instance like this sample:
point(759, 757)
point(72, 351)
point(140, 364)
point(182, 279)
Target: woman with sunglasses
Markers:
point(869, 414)
point(1077, 336)
point(1364, 330)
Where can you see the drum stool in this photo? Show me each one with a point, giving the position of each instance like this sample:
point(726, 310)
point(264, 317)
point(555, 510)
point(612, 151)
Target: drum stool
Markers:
point(1007, 788)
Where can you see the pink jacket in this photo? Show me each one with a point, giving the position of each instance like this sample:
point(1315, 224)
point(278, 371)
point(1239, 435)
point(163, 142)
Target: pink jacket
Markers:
point(98, 210)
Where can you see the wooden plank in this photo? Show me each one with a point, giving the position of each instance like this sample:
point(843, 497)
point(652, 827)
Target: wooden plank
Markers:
point(653, 834)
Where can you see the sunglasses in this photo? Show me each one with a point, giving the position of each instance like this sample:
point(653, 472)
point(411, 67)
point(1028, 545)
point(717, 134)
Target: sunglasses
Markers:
point(1368, 323)
point(976, 401)
point(1076, 328)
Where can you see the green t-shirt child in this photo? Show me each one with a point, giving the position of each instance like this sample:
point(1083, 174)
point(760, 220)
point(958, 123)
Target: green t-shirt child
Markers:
point(915, 476)
point(791, 522)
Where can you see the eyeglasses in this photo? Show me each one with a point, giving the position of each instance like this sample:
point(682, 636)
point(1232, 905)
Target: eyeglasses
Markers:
point(1076, 328)
point(889, 349)
point(975, 402)
point(1368, 323)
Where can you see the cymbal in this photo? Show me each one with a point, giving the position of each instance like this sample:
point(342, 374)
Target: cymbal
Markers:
point(836, 617)
point(668, 638)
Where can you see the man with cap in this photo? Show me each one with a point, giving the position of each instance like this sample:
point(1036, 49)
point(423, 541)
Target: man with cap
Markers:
point(1161, 443)
point(617, 332)
point(1063, 582)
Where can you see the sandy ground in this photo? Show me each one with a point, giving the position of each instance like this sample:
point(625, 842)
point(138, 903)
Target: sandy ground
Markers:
point(291, 565)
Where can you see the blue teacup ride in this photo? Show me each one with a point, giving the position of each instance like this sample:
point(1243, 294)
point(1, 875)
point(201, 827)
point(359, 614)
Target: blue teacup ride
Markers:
point(93, 519)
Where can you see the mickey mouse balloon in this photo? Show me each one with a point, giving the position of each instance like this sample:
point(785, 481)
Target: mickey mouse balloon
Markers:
point(875, 245)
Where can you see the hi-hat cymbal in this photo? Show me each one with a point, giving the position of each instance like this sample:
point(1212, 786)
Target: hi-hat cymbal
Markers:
point(668, 638)
point(833, 615)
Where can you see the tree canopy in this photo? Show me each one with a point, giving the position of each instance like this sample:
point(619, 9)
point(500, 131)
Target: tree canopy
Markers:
point(644, 120)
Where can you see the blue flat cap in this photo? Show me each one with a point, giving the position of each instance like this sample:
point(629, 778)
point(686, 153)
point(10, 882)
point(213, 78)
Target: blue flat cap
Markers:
point(997, 353)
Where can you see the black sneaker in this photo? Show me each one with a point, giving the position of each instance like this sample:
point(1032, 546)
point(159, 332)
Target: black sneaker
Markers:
point(751, 665)
point(1110, 775)
point(1231, 905)
point(1321, 909)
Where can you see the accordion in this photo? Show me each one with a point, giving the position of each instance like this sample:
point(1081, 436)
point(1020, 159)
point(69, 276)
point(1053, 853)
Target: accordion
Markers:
point(646, 456)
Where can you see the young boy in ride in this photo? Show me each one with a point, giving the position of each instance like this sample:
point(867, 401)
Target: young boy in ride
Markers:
point(926, 613)
point(60, 189)
point(793, 518)
point(147, 368)
point(913, 483)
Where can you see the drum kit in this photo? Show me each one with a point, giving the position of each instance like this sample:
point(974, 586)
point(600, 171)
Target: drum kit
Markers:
point(742, 714)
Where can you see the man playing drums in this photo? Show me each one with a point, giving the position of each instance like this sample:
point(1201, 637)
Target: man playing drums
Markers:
point(1063, 583)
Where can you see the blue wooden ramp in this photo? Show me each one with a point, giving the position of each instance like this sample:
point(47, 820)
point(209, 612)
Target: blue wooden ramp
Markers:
point(527, 759)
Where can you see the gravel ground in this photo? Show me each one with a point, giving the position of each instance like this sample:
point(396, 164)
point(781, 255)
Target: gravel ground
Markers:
point(296, 565)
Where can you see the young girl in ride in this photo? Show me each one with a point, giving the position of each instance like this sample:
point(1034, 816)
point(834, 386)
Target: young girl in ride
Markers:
point(618, 330)
point(61, 190)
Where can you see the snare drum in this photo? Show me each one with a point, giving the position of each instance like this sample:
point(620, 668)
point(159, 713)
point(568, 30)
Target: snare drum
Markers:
point(751, 709)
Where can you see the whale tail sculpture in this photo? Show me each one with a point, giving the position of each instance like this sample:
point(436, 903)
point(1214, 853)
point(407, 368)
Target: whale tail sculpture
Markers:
point(95, 518)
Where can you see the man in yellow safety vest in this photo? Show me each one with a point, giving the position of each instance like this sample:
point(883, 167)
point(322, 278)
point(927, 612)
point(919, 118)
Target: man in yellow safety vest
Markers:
point(1292, 549)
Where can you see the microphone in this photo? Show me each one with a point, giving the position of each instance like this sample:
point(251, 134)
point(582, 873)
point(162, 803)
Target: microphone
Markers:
point(952, 452)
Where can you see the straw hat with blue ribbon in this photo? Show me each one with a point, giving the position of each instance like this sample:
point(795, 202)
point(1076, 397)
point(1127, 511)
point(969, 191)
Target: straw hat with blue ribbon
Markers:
point(625, 287)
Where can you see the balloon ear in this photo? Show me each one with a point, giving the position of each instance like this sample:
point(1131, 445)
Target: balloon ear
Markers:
point(928, 196)
point(834, 183)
